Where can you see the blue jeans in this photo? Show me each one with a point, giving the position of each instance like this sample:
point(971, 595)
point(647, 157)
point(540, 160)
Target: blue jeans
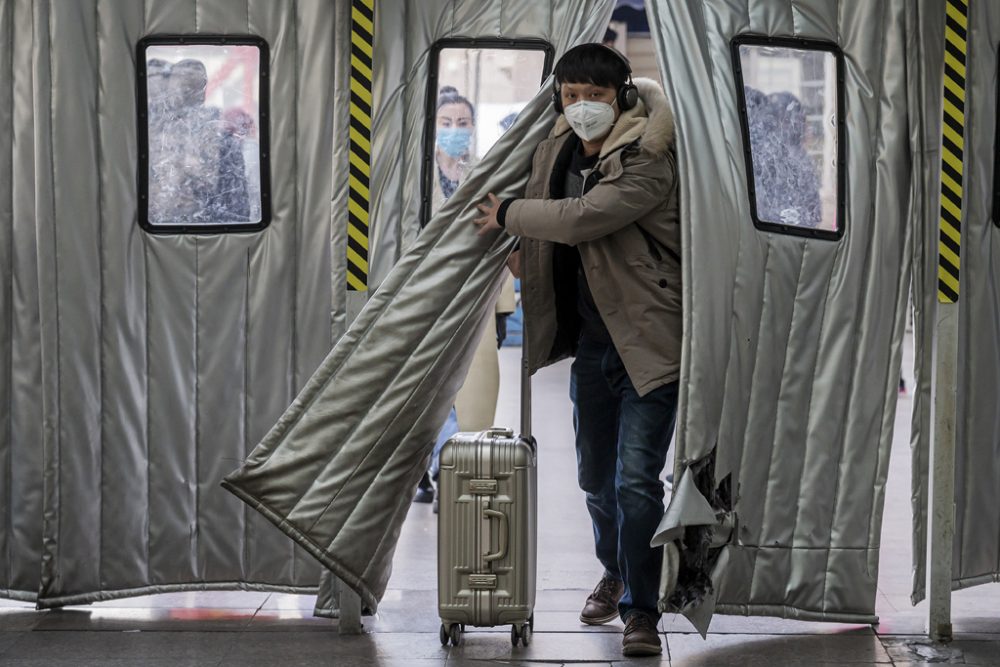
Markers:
point(449, 429)
point(621, 447)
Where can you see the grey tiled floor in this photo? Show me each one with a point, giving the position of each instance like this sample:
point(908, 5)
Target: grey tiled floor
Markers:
point(250, 629)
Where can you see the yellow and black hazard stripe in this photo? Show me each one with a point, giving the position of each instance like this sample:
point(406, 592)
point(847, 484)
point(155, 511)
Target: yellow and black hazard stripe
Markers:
point(952, 149)
point(359, 180)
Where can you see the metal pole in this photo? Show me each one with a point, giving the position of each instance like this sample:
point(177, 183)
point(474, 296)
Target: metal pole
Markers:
point(945, 379)
point(942, 518)
point(350, 610)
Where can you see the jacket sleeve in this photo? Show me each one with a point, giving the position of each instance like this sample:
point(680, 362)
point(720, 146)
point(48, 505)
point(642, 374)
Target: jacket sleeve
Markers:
point(609, 206)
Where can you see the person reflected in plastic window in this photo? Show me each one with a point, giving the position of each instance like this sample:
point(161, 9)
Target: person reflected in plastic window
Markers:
point(786, 182)
point(240, 125)
point(476, 402)
point(801, 186)
point(600, 263)
point(196, 169)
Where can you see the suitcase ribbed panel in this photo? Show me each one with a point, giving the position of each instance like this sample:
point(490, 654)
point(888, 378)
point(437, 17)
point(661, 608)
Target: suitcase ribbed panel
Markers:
point(467, 590)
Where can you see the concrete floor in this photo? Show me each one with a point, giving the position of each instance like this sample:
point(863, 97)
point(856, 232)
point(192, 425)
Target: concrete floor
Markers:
point(249, 629)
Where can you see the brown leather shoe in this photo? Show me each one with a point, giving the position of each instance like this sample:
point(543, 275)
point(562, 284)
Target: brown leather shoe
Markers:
point(602, 605)
point(640, 636)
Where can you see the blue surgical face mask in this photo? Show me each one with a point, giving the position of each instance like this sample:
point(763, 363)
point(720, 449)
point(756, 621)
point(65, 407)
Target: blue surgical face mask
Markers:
point(454, 140)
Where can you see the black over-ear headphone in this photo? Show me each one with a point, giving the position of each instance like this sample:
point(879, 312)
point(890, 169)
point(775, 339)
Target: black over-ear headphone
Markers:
point(628, 94)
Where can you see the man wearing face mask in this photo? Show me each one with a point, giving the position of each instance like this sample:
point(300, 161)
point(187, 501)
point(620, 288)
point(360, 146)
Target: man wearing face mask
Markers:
point(600, 261)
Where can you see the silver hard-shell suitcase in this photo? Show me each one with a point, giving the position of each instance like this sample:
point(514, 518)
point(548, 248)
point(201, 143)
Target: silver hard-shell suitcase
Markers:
point(487, 530)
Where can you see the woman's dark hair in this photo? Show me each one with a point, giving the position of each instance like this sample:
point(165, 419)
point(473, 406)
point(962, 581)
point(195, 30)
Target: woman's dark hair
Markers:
point(449, 95)
point(592, 63)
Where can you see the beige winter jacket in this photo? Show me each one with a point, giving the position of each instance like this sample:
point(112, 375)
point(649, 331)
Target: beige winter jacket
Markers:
point(627, 230)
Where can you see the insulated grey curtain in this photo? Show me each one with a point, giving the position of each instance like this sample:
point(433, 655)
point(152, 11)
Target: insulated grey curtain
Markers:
point(337, 470)
point(138, 369)
point(977, 455)
point(792, 346)
point(20, 355)
point(976, 556)
point(21, 380)
point(926, 65)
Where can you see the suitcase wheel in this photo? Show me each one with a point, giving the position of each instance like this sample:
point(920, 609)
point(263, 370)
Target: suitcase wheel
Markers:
point(521, 633)
point(443, 635)
point(526, 633)
point(455, 634)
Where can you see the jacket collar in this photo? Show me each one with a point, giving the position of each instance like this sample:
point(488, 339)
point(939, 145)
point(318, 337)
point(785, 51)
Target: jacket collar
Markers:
point(650, 122)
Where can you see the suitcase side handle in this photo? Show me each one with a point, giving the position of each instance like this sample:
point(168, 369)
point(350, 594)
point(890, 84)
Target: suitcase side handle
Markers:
point(502, 550)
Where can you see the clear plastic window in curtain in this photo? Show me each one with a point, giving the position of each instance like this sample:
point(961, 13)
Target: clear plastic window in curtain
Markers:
point(476, 95)
point(791, 118)
point(203, 119)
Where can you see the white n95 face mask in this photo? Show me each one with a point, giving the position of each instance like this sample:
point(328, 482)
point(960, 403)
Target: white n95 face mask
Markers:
point(590, 120)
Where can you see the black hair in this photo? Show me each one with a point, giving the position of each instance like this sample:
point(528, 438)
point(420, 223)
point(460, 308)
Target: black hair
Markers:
point(592, 63)
point(610, 35)
point(449, 95)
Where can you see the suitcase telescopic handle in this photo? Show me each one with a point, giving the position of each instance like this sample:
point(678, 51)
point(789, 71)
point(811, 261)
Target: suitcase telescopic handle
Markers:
point(525, 384)
point(502, 550)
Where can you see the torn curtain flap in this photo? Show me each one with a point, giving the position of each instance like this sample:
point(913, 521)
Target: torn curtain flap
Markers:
point(693, 535)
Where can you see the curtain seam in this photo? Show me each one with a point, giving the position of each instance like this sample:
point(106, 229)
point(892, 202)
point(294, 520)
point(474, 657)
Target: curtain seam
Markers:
point(245, 567)
point(876, 141)
point(749, 402)
point(198, 565)
point(812, 385)
point(145, 260)
point(101, 285)
point(57, 433)
point(295, 227)
point(246, 410)
point(10, 323)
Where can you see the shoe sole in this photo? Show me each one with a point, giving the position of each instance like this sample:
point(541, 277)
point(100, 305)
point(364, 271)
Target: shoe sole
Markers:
point(637, 650)
point(598, 621)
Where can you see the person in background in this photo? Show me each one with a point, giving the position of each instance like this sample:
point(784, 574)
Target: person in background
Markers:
point(242, 127)
point(802, 180)
point(476, 402)
point(610, 37)
point(455, 124)
point(600, 259)
point(786, 180)
point(196, 170)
